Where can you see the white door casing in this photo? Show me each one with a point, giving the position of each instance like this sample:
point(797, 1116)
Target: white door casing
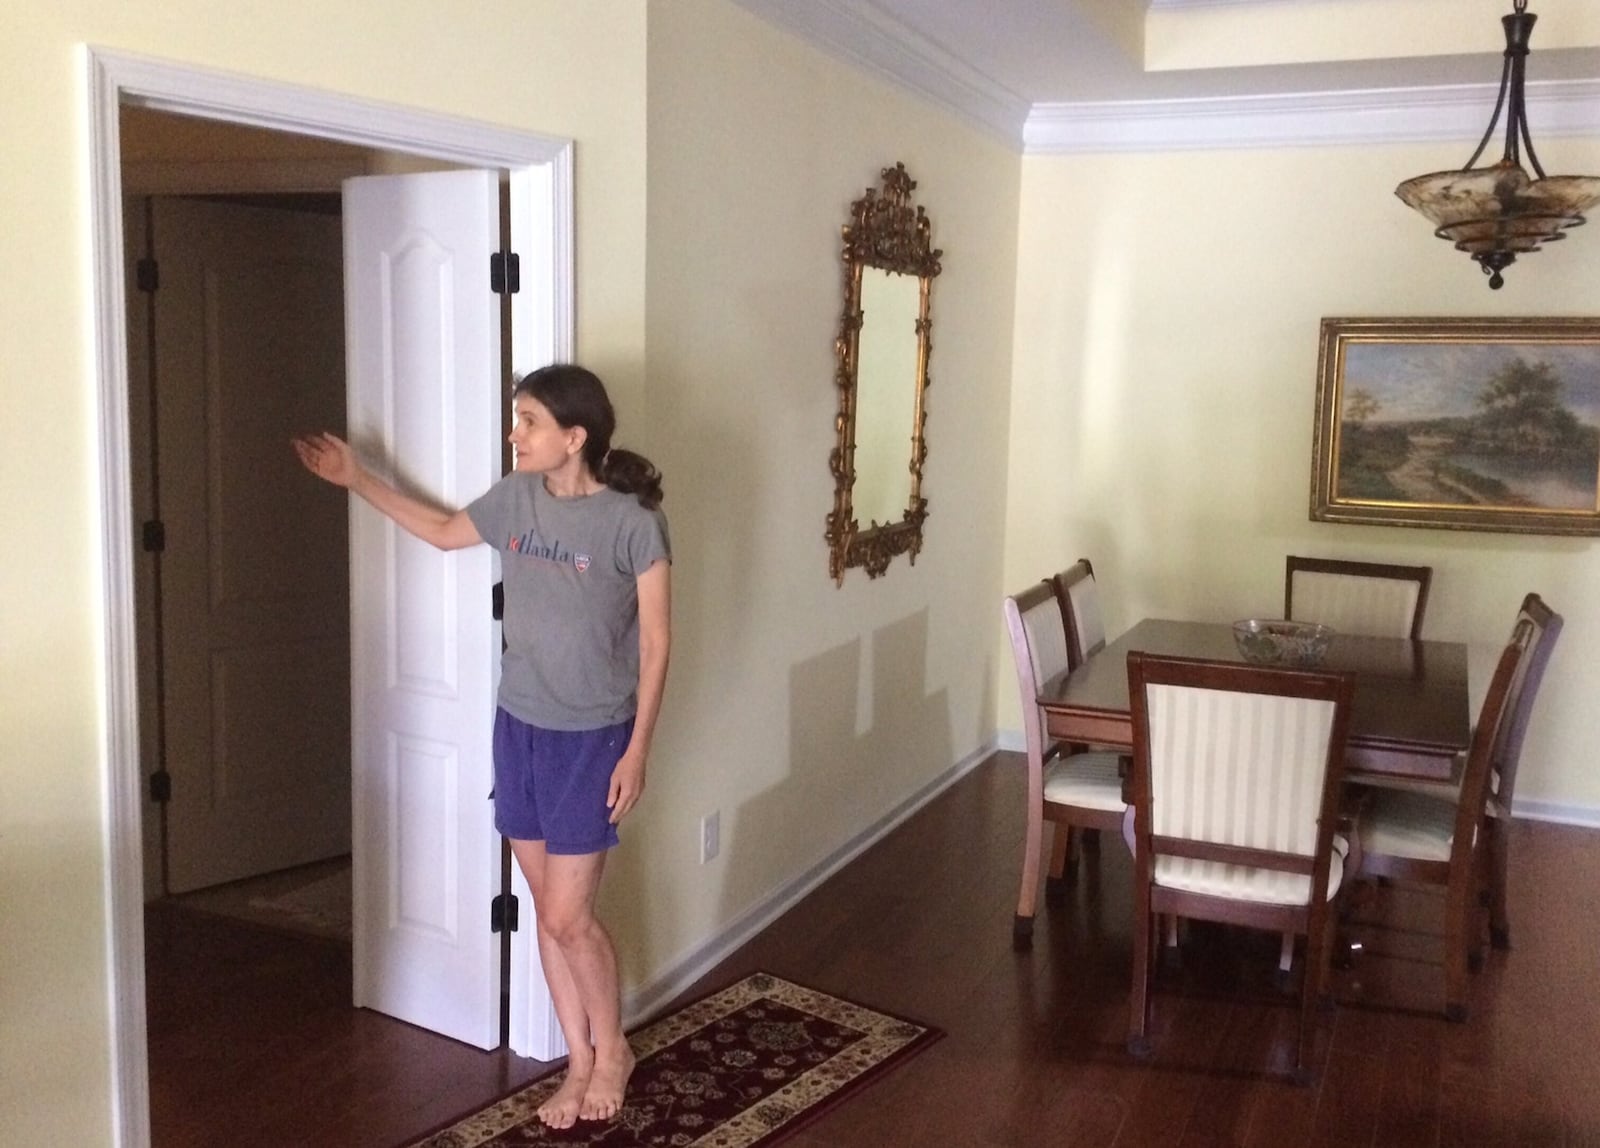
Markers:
point(425, 411)
point(249, 350)
point(540, 165)
point(536, 339)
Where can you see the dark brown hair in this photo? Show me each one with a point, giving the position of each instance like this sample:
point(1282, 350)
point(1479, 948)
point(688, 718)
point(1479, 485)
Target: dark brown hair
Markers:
point(576, 397)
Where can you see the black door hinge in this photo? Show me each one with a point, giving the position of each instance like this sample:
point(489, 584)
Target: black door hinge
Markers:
point(497, 602)
point(505, 273)
point(161, 787)
point(503, 914)
point(147, 276)
point(155, 536)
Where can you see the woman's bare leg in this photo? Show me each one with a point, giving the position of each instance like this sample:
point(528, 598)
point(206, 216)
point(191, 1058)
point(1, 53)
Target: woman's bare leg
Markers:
point(581, 956)
point(562, 1109)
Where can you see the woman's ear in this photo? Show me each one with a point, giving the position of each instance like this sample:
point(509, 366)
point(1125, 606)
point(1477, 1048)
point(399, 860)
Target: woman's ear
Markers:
point(576, 437)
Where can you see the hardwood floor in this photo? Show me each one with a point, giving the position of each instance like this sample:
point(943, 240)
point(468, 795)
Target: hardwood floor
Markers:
point(253, 1042)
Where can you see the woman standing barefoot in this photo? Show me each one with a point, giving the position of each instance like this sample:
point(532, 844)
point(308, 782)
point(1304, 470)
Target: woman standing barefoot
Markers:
point(585, 558)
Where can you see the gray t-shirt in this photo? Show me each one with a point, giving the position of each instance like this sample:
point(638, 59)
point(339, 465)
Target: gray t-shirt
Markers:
point(572, 604)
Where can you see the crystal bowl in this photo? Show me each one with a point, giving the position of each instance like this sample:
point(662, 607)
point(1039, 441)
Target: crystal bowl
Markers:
point(1275, 642)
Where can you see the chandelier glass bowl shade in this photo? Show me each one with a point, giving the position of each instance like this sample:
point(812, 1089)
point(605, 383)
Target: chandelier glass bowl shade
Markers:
point(1499, 212)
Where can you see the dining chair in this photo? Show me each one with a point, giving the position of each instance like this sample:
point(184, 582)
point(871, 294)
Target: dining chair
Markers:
point(1507, 757)
point(1079, 596)
point(1412, 836)
point(1357, 597)
point(1073, 791)
point(1236, 790)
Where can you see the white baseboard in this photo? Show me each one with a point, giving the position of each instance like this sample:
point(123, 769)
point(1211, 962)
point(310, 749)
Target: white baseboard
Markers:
point(1011, 739)
point(639, 1004)
point(1558, 812)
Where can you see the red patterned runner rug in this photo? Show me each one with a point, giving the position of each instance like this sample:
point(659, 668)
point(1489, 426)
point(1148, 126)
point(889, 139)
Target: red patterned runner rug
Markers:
point(744, 1067)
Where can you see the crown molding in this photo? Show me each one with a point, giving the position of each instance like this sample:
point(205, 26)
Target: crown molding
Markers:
point(862, 35)
point(1174, 5)
point(1457, 112)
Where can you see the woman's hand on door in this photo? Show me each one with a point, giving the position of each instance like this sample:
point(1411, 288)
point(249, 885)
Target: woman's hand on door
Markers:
point(328, 457)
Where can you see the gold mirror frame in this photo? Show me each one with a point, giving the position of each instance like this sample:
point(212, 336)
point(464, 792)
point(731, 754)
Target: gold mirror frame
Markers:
point(885, 231)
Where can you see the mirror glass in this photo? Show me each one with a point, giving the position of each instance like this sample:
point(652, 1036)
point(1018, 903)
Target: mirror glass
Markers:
point(885, 334)
point(886, 396)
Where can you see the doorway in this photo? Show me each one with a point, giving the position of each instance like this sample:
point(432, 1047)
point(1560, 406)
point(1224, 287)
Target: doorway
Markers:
point(540, 217)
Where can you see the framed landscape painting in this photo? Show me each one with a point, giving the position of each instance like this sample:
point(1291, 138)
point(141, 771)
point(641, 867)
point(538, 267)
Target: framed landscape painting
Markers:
point(1466, 424)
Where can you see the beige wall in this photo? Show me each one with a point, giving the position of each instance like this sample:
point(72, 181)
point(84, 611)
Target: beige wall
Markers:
point(540, 65)
point(1156, 416)
point(802, 711)
point(1161, 421)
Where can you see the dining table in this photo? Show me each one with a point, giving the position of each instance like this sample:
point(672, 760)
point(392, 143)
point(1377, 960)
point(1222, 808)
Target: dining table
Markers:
point(1411, 716)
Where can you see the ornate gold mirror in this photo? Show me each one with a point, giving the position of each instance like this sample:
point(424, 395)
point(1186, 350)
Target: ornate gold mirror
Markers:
point(881, 371)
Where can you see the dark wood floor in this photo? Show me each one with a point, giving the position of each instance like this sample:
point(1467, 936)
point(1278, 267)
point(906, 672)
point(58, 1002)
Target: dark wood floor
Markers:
point(253, 1042)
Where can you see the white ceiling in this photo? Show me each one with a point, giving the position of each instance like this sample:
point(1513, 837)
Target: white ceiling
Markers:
point(1001, 60)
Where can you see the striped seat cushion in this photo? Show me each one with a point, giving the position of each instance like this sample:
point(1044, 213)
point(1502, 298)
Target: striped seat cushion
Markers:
point(1438, 790)
point(1398, 823)
point(1087, 780)
point(1246, 882)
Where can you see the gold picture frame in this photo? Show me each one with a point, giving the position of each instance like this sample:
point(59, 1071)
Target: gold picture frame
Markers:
point(1459, 424)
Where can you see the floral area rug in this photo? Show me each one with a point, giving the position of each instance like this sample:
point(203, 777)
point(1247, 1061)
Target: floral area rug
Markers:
point(743, 1067)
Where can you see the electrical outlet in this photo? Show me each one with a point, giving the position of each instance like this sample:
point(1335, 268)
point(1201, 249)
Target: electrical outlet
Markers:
point(710, 835)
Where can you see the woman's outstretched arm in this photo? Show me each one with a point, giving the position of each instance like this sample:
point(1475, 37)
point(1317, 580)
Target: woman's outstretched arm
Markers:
point(330, 458)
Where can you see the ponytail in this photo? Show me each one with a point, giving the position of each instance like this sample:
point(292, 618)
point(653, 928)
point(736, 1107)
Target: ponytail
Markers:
point(631, 473)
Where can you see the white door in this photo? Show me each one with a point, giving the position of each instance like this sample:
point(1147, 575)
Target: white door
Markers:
point(248, 347)
point(425, 404)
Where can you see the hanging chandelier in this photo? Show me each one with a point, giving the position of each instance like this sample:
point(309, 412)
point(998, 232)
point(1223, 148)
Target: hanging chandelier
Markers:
point(1496, 213)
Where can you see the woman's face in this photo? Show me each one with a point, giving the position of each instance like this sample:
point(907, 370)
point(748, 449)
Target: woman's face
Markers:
point(541, 444)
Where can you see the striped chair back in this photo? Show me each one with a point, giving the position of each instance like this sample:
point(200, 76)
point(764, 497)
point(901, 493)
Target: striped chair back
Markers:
point(1238, 768)
point(1381, 607)
point(1357, 597)
point(1080, 602)
point(1545, 626)
point(1039, 650)
point(1236, 776)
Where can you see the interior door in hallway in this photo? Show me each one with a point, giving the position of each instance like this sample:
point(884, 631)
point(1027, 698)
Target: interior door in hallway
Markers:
point(249, 349)
point(425, 408)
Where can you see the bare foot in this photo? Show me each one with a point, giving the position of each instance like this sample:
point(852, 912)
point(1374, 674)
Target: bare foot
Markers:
point(603, 1100)
point(563, 1108)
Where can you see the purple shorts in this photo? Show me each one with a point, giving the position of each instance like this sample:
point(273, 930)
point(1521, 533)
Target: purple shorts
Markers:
point(551, 785)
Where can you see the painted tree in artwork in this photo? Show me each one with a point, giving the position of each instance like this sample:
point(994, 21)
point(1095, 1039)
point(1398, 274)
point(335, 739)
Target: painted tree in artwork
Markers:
point(1368, 452)
point(1522, 412)
point(1359, 406)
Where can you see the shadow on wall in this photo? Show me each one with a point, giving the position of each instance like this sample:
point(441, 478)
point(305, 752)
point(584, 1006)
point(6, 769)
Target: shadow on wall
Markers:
point(718, 494)
point(845, 774)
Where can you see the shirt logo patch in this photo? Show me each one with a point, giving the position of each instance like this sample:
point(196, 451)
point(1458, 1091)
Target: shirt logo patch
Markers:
point(580, 562)
point(530, 545)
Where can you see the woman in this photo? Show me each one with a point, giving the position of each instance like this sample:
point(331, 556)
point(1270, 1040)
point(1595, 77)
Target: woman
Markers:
point(585, 559)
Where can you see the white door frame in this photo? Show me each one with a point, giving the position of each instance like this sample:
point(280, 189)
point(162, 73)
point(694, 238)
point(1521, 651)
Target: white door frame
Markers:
point(541, 226)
